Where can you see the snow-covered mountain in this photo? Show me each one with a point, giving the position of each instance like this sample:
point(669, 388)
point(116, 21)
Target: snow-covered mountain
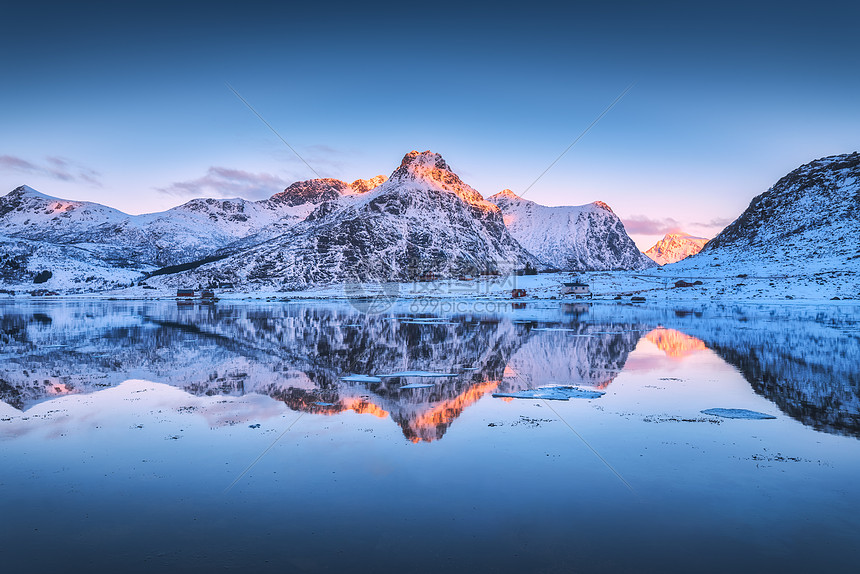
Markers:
point(807, 225)
point(423, 220)
point(88, 246)
point(181, 234)
point(674, 247)
point(581, 238)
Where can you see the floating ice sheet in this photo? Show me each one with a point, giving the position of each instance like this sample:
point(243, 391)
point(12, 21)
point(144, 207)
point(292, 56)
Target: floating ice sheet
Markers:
point(737, 414)
point(553, 393)
point(415, 374)
point(418, 386)
point(361, 379)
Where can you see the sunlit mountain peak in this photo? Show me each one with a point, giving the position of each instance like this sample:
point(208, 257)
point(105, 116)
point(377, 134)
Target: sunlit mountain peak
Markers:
point(427, 169)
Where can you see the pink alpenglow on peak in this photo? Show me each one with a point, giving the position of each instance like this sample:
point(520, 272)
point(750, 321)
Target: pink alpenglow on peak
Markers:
point(365, 185)
point(674, 247)
point(428, 170)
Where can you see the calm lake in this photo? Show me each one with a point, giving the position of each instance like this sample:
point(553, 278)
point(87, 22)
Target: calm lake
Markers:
point(298, 437)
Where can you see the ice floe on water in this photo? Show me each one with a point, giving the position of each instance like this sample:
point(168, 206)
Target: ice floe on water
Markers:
point(418, 386)
point(553, 393)
point(738, 414)
point(415, 374)
point(361, 379)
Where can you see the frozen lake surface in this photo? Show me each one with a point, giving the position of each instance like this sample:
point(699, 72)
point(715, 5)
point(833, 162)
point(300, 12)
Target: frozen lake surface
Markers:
point(283, 437)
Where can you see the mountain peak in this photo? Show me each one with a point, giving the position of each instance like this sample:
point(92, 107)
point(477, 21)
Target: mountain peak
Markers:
point(674, 247)
point(26, 190)
point(310, 191)
point(429, 170)
point(602, 205)
point(506, 194)
point(571, 237)
point(365, 185)
point(424, 159)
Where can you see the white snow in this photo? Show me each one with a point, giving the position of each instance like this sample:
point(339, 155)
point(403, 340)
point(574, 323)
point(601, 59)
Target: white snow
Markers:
point(738, 414)
point(427, 374)
point(570, 237)
point(361, 379)
point(553, 393)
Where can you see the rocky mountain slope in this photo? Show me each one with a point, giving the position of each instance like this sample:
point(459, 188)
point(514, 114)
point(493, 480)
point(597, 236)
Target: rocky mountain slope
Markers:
point(674, 247)
point(808, 222)
point(423, 220)
point(581, 238)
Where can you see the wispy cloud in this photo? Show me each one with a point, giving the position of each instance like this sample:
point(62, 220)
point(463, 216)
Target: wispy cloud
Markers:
point(718, 223)
point(644, 225)
point(224, 182)
point(59, 168)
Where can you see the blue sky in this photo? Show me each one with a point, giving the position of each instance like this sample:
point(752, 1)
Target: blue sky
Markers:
point(127, 104)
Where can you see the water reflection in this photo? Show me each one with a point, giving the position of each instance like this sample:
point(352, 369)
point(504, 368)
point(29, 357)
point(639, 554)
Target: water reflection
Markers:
point(805, 361)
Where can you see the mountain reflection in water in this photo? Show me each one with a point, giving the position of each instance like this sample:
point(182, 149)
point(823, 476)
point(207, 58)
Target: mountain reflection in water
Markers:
point(805, 361)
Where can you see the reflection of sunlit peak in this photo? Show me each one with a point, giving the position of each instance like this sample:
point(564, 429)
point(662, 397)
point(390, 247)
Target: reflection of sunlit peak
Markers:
point(59, 389)
point(510, 372)
point(674, 343)
point(426, 426)
point(362, 406)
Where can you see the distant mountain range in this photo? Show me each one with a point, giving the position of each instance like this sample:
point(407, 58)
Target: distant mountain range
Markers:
point(675, 247)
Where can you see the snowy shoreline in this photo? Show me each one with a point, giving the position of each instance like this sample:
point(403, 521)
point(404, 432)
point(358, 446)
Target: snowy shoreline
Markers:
point(656, 286)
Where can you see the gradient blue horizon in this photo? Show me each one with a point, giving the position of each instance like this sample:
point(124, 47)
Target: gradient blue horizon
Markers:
point(727, 98)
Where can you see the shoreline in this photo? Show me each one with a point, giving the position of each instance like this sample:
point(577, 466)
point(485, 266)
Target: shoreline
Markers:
point(606, 287)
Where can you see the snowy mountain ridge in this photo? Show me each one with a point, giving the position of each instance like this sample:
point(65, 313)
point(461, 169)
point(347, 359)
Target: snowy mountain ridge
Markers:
point(88, 241)
point(675, 247)
point(424, 220)
point(808, 222)
point(581, 238)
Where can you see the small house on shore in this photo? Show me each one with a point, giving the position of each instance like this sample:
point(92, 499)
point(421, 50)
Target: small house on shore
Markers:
point(576, 288)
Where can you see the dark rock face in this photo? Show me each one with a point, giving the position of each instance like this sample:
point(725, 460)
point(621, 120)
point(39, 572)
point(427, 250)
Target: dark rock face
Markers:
point(311, 191)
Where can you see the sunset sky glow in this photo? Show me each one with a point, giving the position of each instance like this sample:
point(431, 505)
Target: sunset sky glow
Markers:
point(127, 104)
